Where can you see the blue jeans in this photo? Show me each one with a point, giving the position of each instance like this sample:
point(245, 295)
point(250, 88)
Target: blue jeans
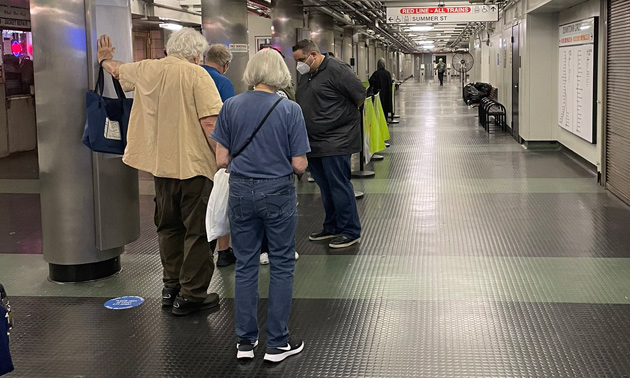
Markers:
point(258, 207)
point(332, 175)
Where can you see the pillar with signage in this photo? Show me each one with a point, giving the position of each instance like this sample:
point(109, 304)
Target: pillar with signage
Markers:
point(225, 21)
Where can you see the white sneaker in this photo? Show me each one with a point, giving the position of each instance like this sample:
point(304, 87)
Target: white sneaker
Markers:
point(245, 349)
point(264, 258)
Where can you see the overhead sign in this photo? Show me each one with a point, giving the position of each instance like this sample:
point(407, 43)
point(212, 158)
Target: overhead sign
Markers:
point(458, 14)
point(123, 303)
point(577, 33)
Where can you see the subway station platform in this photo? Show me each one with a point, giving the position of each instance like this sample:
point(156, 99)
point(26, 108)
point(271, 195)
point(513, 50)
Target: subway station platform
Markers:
point(479, 258)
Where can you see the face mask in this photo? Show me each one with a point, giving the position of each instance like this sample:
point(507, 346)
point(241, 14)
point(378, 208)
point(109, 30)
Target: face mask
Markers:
point(303, 68)
point(227, 66)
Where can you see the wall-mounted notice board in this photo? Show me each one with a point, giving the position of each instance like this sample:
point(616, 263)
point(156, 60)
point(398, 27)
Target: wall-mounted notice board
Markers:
point(577, 80)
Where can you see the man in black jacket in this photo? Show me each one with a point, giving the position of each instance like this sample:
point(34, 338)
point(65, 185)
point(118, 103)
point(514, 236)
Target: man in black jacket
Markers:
point(330, 95)
point(381, 82)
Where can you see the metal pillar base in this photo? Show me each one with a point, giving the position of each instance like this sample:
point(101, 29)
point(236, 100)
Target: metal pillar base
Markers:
point(358, 195)
point(376, 157)
point(363, 174)
point(84, 272)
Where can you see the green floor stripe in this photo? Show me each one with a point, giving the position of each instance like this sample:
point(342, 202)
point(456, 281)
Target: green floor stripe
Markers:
point(426, 278)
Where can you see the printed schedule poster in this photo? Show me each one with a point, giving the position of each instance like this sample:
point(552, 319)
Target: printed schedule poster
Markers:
point(576, 78)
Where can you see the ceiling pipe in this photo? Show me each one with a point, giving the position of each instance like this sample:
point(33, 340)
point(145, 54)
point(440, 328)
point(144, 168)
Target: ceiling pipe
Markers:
point(404, 45)
point(329, 12)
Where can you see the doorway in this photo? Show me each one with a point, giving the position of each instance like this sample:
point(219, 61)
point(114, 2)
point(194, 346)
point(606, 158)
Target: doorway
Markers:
point(516, 66)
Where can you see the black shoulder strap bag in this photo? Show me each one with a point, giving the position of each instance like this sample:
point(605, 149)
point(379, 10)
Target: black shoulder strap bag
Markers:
point(257, 128)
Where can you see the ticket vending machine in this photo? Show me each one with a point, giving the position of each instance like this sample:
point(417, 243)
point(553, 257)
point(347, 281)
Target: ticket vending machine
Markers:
point(423, 73)
point(18, 125)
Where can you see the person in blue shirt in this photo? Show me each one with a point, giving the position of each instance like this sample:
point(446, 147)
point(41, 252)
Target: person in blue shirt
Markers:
point(218, 60)
point(262, 140)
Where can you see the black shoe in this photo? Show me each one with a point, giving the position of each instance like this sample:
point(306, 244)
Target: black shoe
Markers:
point(226, 258)
point(343, 241)
point(183, 306)
point(168, 296)
point(322, 235)
point(245, 349)
point(294, 347)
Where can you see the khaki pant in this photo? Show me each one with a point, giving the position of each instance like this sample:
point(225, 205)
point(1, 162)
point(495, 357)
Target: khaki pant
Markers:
point(180, 214)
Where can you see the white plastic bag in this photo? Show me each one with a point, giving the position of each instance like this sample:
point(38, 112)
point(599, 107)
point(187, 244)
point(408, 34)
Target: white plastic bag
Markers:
point(217, 222)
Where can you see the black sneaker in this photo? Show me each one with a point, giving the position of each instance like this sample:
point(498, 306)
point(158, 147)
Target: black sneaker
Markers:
point(294, 347)
point(183, 306)
point(168, 296)
point(226, 258)
point(322, 235)
point(343, 241)
point(245, 349)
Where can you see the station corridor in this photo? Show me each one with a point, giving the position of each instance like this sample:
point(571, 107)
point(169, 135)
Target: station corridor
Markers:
point(479, 258)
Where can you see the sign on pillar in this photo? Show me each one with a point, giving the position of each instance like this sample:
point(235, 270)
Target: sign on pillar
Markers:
point(446, 15)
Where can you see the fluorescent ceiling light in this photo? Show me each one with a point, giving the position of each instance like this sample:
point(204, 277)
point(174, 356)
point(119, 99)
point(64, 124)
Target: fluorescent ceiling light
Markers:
point(170, 26)
point(425, 42)
point(421, 28)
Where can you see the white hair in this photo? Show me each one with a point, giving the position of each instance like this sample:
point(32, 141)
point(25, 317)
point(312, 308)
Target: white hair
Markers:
point(187, 43)
point(267, 67)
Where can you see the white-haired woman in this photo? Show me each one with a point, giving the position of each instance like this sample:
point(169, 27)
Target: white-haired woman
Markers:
point(175, 100)
point(262, 139)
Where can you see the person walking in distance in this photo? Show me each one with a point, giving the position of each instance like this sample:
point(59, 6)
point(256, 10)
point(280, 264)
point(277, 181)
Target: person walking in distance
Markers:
point(440, 68)
point(174, 111)
point(330, 95)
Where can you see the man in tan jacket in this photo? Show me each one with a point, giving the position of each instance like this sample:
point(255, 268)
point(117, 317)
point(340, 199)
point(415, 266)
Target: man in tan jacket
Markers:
point(175, 107)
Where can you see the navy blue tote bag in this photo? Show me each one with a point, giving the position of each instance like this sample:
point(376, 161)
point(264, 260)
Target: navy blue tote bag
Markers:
point(107, 118)
point(5, 324)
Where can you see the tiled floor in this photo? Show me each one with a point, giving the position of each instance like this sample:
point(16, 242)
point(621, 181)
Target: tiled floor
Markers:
point(479, 258)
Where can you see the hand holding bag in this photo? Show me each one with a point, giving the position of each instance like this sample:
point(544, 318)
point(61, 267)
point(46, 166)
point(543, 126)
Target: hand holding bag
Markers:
point(217, 222)
point(107, 118)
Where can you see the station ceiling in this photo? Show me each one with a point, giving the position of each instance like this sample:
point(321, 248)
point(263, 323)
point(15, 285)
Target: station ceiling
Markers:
point(370, 17)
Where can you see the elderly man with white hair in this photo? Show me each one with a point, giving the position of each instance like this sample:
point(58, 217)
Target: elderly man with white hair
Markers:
point(175, 107)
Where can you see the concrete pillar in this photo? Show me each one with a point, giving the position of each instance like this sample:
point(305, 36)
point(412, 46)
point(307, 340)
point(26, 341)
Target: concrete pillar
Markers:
point(89, 201)
point(346, 48)
point(362, 63)
point(380, 52)
point(371, 56)
point(322, 30)
point(225, 21)
point(286, 19)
